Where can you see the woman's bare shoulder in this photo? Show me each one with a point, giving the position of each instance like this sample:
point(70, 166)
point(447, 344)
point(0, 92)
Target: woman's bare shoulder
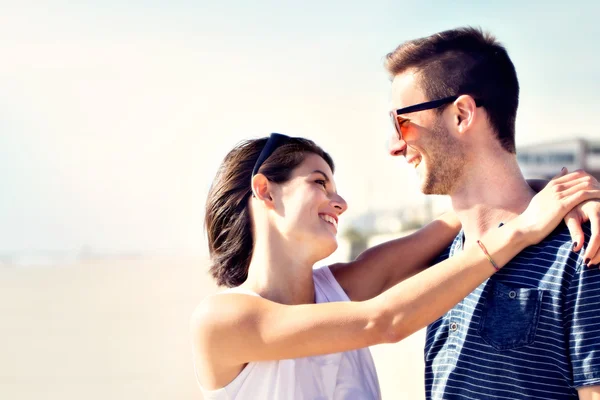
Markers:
point(215, 325)
point(218, 312)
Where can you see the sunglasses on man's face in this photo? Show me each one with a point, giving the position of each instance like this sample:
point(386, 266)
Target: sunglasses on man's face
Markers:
point(400, 122)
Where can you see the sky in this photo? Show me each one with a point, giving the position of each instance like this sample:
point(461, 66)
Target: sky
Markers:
point(115, 115)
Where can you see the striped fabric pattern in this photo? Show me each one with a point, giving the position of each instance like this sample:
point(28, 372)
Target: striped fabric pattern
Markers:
point(531, 331)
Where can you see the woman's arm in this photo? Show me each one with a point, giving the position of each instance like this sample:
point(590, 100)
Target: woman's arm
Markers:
point(242, 328)
point(382, 266)
point(231, 330)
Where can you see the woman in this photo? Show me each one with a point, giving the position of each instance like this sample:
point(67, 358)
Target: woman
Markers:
point(272, 212)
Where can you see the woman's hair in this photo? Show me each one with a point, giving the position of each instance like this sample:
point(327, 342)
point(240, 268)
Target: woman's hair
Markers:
point(227, 218)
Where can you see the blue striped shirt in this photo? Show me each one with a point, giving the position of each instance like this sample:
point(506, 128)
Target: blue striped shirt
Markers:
point(530, 331)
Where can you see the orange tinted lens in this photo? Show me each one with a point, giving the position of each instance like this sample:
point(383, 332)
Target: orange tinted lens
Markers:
point(401, 125)
point(395, 121)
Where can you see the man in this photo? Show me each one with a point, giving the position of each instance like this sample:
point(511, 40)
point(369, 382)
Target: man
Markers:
point(533, 329)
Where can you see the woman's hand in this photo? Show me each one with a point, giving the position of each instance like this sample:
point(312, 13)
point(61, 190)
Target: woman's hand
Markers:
point(588, 211)
point(584, 212)
point(555, 201)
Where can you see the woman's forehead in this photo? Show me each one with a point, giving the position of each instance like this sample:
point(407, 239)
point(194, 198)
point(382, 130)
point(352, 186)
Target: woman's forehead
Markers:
point(313, 162)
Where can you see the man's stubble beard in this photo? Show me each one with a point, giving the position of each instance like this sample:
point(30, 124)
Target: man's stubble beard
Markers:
point(445, 164)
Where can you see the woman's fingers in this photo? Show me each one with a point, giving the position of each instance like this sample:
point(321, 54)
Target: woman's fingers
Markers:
point(572, 190)
point(572, 176)
point(562, 172)
point(592, 251)
point(567, 196)
point(560, 185)
point(584, 187)
point(569, 201)
point(574, 221)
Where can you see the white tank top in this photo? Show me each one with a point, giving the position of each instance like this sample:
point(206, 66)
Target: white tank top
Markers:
point(349, 375)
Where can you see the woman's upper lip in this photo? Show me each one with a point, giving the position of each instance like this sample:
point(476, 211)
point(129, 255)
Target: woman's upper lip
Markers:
point(334, 216)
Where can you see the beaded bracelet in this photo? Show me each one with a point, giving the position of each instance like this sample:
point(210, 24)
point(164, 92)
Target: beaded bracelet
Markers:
point(496, 267)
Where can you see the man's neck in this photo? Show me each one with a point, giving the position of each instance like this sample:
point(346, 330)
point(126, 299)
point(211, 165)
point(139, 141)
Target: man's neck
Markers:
point(493, 193)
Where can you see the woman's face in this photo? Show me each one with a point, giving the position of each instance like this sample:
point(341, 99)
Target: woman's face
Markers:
point(309, 207)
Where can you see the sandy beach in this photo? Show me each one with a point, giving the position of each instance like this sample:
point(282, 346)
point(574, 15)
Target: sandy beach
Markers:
point(119, 330)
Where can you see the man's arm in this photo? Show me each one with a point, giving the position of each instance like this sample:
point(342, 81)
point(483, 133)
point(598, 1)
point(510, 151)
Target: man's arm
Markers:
point(589, 393)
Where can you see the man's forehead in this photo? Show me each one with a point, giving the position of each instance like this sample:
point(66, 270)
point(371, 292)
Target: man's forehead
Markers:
point(406, 90)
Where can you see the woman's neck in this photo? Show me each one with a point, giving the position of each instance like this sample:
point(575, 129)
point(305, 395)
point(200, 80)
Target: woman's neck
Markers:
point(281, 271)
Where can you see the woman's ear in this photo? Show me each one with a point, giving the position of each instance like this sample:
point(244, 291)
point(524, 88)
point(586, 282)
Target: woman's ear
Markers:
point(261, 189)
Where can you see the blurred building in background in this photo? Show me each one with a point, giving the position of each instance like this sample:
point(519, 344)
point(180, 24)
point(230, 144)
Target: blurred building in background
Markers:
point(545, 160)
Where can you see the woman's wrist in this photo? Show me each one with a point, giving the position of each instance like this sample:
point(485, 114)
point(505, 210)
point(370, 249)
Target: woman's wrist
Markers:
point(500, 245)
point(521, 234)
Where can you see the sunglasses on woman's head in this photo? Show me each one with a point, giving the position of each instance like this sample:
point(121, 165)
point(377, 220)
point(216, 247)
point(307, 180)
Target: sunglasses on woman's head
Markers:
point(273, 143)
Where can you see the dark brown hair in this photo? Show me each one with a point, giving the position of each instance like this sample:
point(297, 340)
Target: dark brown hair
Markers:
point(227, 218)
point(465, 61)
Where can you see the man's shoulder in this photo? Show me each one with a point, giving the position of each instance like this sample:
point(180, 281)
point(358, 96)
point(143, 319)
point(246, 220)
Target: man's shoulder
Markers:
point(447, 252)
point(555, 250)
point(561, 237)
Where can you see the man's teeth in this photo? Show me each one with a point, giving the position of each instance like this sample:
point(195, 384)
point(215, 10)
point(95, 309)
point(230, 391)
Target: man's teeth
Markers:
point(329, 219)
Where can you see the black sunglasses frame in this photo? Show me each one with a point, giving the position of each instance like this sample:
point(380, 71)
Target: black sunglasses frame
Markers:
point(428, 105)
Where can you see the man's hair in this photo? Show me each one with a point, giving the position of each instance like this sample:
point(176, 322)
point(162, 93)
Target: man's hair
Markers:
point(465, 61)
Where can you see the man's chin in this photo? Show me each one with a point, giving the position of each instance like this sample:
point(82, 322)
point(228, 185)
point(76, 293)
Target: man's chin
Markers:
point(428, 187)
point(427, 190)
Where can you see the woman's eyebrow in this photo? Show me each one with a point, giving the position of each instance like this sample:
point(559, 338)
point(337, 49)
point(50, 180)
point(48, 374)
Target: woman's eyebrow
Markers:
point(318, 171)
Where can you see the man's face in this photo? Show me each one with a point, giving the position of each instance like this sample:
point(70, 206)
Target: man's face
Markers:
point(428, 142)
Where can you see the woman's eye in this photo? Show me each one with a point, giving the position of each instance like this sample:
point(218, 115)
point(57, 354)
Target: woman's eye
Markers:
point(321, 182)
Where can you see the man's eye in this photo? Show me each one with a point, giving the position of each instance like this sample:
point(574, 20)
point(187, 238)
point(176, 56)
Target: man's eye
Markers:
point(321, 182)
point(404, 125)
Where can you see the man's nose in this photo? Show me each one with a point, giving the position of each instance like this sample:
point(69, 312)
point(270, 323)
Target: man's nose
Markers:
point(397, 146)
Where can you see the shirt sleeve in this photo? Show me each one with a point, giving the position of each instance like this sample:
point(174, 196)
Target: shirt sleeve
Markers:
point(582, 323)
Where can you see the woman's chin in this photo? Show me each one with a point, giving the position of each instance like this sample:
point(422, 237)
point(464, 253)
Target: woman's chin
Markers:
point(327, 247)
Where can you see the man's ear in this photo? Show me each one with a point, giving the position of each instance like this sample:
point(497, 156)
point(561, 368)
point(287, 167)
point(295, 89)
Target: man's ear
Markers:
point(465, 112)
point(261, 189)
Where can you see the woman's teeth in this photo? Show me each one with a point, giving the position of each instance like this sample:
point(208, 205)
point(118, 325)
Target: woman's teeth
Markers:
point(329, 219)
